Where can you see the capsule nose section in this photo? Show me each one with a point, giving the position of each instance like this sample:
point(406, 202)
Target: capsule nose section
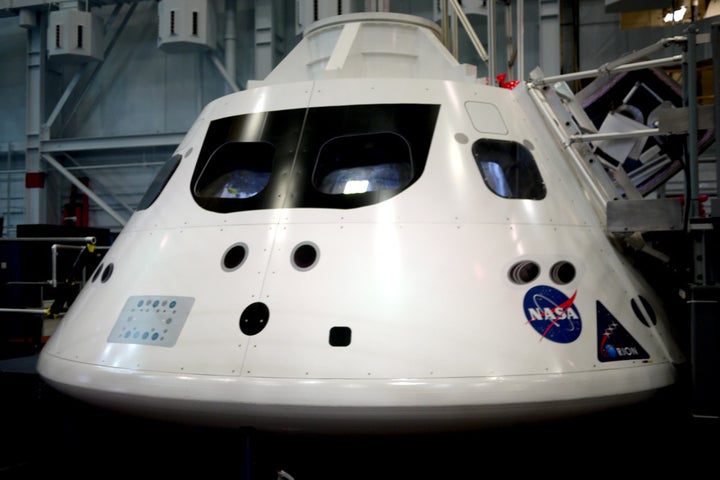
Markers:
point(254, 318)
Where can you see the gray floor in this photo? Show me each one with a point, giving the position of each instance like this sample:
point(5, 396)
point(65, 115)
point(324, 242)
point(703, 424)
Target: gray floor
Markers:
point(47, 433)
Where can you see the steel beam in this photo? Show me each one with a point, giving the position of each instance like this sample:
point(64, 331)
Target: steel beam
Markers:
point(83, 188)
point(110, 143)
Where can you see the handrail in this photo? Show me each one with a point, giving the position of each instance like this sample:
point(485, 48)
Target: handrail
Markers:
point(89, 246)
point(625, 63)
point(585, 137)
point(34, 311)
point(54, 248)
point(674, 60)
point(596, 194)
point(89, 240)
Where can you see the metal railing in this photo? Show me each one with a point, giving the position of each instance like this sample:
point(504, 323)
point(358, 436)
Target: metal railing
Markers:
point(55, 248)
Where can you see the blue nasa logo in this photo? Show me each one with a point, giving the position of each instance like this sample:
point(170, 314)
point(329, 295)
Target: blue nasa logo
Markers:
point(552, 314)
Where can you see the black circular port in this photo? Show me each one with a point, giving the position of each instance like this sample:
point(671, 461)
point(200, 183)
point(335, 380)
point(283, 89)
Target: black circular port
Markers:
point(305, 256)
point(97, 272)
point(254, 318)
point(562, 273)
point(234, 257)
point(524, 272)
point(107, 273)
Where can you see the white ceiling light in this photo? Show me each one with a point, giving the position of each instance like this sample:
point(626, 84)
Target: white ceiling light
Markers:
point(676, 16)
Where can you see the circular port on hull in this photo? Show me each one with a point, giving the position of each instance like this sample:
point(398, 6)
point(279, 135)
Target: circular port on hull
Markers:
point(97, 272)
point(524, 272)
point(254, 318)
point(234, 257)
point(562, 273)
point(305, 256)
point(107, 273)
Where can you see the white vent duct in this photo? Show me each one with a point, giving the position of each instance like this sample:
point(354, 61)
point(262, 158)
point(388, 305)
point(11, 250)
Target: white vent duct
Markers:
point(186, 25)
point(310, 11)
point(74, 35)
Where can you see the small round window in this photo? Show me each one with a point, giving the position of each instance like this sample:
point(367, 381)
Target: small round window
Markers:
point(305, 256)
point(158, 184)
point(234, 257)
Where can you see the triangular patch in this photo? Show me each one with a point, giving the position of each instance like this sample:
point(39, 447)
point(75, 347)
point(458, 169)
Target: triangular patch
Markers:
point(614, 342)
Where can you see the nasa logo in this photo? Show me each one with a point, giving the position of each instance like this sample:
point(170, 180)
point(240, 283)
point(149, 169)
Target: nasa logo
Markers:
point(552, 314)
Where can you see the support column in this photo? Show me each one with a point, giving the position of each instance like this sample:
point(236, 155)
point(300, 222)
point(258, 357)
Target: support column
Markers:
point(715, 41)
point(263, 38)
point(520, 61)
point(704, 299)
point(230, 40)
point(690, 88)
point(492, 49)
point(35, 195)
point(550, 37)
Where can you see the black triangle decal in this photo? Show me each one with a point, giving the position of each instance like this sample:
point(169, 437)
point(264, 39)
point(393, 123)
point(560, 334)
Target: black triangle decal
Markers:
point(614, 342)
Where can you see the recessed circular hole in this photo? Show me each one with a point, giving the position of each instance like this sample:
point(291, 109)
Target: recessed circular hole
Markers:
point(234, 257)
point(305, 256)
point(107, 273)
point(524, 272)
point(562, 272)
point(97, 272)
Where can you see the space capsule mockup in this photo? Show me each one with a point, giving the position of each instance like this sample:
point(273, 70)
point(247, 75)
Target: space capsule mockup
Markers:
point(371, 238)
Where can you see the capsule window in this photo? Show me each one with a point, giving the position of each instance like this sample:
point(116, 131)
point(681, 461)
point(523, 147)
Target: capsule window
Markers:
point(158, 184)
point(234, 257)
point(338, 157)
point(524, 272)
point(305, 256)
point(509, 169)
point(236, 170)
point(353, 164)
point(562, 273)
